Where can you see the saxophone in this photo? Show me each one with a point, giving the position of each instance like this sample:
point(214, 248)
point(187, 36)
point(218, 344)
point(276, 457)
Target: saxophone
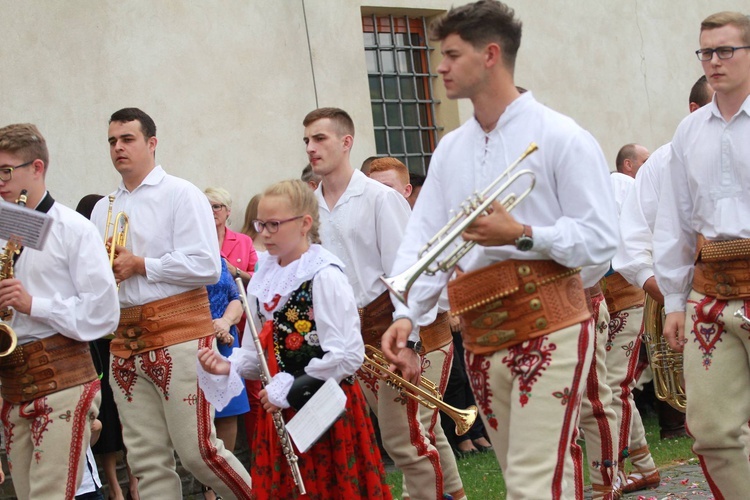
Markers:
point(669, 383)
point(8, 338)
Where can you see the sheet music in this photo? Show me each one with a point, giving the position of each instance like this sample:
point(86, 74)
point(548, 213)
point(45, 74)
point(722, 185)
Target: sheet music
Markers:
point(24, 225)
point(317, 416)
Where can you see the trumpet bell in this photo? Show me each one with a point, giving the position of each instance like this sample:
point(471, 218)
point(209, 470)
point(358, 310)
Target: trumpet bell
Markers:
point(425, 394)
point(8, 340)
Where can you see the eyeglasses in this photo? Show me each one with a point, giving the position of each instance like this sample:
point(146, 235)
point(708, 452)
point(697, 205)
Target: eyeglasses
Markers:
point(217, 206)
point(6, 173)
point(271, 225)
point(721, 52)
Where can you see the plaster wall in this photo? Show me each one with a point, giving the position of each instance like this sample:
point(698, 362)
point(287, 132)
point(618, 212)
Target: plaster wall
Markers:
point(229, 81)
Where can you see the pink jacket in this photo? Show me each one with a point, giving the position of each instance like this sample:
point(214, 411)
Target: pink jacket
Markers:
point(239, 251)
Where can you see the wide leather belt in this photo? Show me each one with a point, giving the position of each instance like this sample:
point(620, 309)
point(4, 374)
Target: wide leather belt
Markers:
point(437, 334)
point(620, 294)
point(44, 367)
point(164, 322)
point(375, 318)
point(513, 301)
point(590, 293)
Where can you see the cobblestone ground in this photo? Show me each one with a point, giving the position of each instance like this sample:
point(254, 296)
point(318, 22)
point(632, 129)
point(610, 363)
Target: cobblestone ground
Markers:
point(678, 482)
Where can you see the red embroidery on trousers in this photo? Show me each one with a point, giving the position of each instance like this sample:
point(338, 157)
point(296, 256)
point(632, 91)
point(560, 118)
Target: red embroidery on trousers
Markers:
point(369, 380)
point(626, 386)
point(572, 411)
point(617, 323)
point(711, 483)
point(157, 366)
point(80, 422)
point(123, 371)
point(745, 311)
point(476, 368)
point(527, 361)
point(38, 412)
point(707, 327)
point(8, 427)
point(420, 444)
point(218, 464)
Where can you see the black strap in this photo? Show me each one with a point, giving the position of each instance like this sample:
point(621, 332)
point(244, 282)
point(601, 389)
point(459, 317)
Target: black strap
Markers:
point(44, 207)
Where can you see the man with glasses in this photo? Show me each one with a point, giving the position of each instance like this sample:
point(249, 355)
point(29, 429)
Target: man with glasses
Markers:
point(62, 297)
point(704, 210)
point(171, 254)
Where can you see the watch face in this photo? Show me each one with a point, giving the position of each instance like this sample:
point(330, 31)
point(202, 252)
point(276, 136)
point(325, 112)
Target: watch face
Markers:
point(524, 243)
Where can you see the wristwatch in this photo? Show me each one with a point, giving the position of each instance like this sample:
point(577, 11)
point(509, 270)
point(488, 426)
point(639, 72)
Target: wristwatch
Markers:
point(525, 242)
point(414, 346)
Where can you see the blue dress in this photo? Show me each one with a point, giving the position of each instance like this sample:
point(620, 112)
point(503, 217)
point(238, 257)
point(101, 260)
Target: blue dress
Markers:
point(220, 295)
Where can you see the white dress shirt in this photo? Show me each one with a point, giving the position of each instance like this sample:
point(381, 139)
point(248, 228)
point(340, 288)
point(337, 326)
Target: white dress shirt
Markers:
point(621, 186)
point(364, 230)
point(571, 209)
point(172, 227)
point(706, 191)
point(336, 321)
point(634, 257)
point(71, 284)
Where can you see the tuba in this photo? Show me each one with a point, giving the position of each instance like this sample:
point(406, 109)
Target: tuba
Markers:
point(426, 393)
point(669, 383)
point(8, 338)
point(475, 206)
point(120, 226)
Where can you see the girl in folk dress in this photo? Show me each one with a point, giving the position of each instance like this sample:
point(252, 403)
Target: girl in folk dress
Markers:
point(311, 333)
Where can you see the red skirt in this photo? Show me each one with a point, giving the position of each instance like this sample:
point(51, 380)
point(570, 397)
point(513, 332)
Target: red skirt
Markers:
point(345, 463)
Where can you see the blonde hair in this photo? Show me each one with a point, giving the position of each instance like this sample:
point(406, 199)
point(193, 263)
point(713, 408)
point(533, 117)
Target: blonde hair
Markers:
point(302, 200)
point(219, 194)
point(390, 163)
point(251, 213)
point(25, 140)
point(721, 19)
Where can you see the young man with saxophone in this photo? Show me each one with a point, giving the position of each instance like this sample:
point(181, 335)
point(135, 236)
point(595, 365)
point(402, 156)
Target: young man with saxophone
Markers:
point(350, 203)
point(526, 325)
point(702, 254)
point(62, 297)
point(170, 256)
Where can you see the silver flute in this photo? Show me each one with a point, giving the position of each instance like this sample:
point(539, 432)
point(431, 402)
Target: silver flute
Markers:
point(265, 378)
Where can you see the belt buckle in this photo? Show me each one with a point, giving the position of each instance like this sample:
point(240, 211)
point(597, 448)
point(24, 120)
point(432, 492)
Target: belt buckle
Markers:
point(30, 390)
point(135, 345)
point(724, 278)
point(132, 332)
point(495, 337)
point(725, 289)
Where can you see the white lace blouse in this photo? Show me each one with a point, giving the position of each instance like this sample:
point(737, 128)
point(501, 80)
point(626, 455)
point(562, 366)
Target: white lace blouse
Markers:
point(336, 320)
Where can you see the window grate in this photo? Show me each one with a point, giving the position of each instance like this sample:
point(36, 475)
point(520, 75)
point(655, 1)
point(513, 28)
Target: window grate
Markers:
point(401, 96)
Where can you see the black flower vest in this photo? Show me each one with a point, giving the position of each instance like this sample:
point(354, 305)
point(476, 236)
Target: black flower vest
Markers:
point(295, 338)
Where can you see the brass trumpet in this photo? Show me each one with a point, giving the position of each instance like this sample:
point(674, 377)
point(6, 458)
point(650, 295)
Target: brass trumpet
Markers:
point(120, 226)
point(475, 206)
point(426, 393)
point(8, 337)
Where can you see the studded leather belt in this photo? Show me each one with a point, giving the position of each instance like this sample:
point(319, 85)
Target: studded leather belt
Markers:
point(620, 294)
point(44, 367)
point(723, 270)
point(516, 300)
point(164, 322)
point(377, 316)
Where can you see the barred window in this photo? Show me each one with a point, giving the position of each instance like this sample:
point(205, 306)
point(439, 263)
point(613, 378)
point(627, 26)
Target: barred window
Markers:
point(403, 108)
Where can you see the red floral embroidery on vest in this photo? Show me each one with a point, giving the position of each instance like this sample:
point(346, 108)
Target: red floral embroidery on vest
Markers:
point(157, 365)
point(527, 361)
point(123, 371)
point(476, 368)
point(707, 327)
